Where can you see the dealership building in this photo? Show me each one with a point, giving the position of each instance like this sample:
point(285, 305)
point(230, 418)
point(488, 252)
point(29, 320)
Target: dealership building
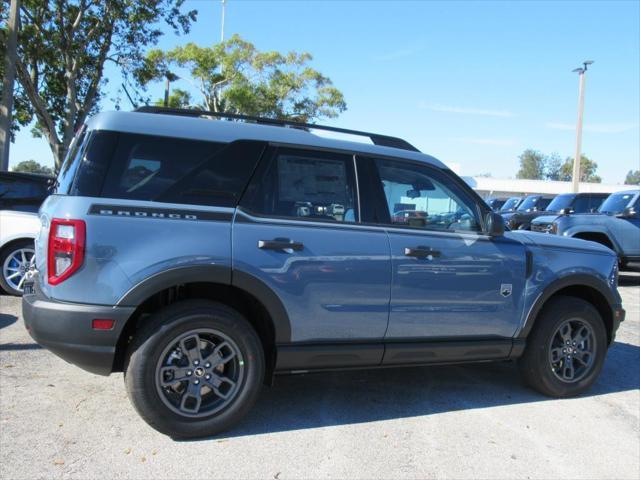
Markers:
point(509, 187)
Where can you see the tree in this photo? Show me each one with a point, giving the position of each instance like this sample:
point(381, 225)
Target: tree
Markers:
point(587, 170)
point(633, 177)
point(63, 46)
point(553, 167)
point(31, 166)
point(532, 165)
point(235, 77)
point(178, 99)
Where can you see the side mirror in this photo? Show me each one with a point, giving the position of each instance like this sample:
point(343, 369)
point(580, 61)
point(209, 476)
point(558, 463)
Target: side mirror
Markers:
point(629, 212)
point(495, 224)
point(565, 211)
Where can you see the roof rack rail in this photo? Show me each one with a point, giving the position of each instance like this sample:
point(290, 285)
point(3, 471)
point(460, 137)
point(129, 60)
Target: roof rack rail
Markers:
point(382, 140)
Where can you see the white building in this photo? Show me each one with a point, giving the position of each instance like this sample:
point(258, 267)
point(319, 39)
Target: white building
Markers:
point(509, 187)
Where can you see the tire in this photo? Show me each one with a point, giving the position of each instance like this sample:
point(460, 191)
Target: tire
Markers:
point(524, 226)
point(153, 357)
point(13, 265)
point(536, 364)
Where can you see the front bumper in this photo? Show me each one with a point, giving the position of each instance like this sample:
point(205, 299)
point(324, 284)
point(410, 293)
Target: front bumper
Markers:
point(65, 329)
point(618, 317)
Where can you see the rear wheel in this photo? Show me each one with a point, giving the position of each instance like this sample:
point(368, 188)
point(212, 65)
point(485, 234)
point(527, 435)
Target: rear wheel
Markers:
point(194, 369)
point(566, 348)
point(14, 261)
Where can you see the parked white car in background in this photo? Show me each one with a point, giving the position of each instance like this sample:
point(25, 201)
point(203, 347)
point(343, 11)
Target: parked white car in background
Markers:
point(17, 233)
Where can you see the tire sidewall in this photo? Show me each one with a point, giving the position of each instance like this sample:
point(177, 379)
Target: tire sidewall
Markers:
point(552, 319)
point(178, 320)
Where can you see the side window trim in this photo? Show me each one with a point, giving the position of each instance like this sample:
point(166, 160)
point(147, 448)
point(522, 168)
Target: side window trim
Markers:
point(467, 199)
point(270, 157)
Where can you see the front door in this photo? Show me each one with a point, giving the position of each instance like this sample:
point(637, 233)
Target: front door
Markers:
point(298, 231)
point(450, 280)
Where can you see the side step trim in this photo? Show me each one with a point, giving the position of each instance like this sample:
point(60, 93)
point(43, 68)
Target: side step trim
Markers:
point(329, 356)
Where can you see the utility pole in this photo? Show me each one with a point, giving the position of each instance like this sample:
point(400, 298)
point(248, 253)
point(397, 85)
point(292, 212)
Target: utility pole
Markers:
point(6, 108)
point(224, 4)
point(576, 160)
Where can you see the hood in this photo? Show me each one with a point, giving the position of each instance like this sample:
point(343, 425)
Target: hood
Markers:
point(545, 240)
point(544, 219)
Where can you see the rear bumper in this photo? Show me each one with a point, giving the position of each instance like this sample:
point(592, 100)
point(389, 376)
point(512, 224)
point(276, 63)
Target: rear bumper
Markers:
point(65, 329)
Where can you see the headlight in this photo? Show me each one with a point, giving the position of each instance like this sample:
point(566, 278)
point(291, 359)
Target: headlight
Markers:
point(552, 228)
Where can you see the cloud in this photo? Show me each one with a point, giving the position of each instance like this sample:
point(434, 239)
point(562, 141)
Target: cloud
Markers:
point(467, 110)
point(595, 127)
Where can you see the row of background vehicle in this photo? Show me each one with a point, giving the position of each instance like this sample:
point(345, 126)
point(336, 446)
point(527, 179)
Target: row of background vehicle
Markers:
point(612, 220)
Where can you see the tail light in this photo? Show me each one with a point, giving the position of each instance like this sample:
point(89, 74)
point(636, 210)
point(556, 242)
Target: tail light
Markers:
point(66, 249)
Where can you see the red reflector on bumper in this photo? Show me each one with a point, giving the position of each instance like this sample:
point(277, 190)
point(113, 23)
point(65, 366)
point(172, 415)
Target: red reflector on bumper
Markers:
point(102, 323)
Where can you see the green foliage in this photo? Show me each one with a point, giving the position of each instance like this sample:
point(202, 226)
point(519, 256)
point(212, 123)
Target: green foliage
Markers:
point(532, 165)
point(535, 165)
point(633, 177)
point(63, 46)
point(235, 77)
point(553, 167)
point(31, 166)
point(587, 170)
point(177, 99)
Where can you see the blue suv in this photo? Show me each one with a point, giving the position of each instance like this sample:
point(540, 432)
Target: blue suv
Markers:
point(202, 256)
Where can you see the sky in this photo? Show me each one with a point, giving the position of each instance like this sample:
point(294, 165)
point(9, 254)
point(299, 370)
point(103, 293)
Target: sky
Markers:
point(471, 83)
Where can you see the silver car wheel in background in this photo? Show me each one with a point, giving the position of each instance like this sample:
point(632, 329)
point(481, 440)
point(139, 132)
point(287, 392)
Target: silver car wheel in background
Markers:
point(16, 266)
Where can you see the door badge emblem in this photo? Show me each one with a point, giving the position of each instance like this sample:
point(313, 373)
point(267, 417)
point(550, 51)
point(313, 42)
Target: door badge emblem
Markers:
point(505, 289)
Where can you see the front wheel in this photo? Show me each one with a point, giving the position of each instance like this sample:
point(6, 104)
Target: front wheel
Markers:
point(566, 348)
point(195, 369)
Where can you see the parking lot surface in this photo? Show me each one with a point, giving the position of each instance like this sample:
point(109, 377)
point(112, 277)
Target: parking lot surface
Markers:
point(478, 421)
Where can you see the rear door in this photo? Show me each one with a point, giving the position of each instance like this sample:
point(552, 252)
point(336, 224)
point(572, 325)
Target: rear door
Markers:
point(298, 232)
point(450, 281)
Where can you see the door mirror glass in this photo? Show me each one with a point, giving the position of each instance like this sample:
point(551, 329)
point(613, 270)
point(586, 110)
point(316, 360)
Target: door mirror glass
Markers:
point(495, 224)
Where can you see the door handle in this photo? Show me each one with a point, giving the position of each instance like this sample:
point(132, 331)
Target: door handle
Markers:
point(280, 244)
point(422, 252)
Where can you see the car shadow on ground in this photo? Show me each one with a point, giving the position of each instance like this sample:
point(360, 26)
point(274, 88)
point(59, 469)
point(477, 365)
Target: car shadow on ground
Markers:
point(351, 397)
point(6, 320)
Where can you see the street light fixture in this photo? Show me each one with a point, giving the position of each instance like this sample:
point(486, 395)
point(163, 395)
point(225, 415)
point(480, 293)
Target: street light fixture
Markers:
point(581, 71)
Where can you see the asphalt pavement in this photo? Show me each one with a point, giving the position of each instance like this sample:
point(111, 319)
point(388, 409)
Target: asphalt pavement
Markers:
point(476, 421)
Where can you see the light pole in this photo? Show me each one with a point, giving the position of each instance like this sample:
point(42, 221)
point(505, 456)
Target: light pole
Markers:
point(576, 160)
point(224, 4)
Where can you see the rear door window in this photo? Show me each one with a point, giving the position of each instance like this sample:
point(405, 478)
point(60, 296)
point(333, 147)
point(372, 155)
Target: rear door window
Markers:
point(305, 185)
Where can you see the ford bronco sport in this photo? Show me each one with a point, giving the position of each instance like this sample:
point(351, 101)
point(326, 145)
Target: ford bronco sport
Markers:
point(203, 256)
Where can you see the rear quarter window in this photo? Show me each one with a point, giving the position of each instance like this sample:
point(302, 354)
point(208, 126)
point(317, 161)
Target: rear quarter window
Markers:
point(166, 169)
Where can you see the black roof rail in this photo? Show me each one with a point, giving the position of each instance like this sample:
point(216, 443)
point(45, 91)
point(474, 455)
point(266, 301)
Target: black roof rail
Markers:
point(382, 140)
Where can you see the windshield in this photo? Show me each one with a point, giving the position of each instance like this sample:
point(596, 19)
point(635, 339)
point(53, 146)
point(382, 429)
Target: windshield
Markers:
point(616, 203)
point(511, 203)
point(529, 204)
point(560, 202)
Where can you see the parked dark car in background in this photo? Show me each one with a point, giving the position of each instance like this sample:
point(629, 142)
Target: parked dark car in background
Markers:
point(511, 204)
point(567, 204)
point(496, 204)
point(23, 192)
point(531, 207)
point(616, 225)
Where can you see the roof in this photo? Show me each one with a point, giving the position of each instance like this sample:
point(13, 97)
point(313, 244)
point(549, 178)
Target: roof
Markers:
point(36, 177)
point(228, 131)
